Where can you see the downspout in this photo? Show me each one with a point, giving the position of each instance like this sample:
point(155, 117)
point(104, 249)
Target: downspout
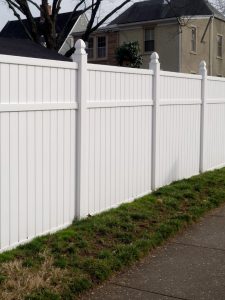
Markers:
point(204, 34)
point(211, 47)
point(180, 50)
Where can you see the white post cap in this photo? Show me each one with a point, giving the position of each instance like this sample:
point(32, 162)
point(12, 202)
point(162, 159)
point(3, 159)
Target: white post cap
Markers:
point(154, 61)
point(154, 58)
point(202, 68)
point(80, 47)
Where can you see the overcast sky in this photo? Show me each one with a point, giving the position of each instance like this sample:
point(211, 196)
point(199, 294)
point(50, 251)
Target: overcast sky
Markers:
point(67, 5)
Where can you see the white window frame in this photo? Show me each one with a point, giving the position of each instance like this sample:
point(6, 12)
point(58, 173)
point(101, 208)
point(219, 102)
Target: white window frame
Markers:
point(193, 42)
point(217, 46)
point(97, 48)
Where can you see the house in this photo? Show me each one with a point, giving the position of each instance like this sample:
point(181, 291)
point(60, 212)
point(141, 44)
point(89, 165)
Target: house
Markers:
point(183, 33)
point(101, 45)
point(14, 29)
point(27, 48)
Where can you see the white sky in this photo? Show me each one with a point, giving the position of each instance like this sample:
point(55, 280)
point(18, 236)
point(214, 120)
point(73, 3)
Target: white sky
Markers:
point(67, 5)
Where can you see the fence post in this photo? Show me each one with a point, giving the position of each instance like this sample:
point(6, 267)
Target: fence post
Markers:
point(80, 57)
point(155, 67)
point(203, 73)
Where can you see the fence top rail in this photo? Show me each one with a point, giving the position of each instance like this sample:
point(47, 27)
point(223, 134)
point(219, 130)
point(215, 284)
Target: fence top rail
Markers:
point(180, 75)
point(213, 78)
point(106, 68)
point(37, 62)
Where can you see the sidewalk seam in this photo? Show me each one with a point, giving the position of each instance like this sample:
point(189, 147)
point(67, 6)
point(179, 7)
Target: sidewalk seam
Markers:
point(147, 291)
point(198, 246)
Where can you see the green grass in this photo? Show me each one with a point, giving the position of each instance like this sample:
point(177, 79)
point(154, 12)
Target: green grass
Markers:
point(63, 265)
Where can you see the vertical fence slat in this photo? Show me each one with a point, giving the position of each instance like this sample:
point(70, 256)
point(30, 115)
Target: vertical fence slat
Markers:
point(5, 180)
point(203, 145)
point(31, 184)
point(22, 177)
point(14, 180)
point(39, 171)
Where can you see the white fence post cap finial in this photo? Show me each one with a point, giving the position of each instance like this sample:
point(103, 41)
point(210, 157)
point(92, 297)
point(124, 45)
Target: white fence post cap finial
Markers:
point(80, 47)
point(154, 61)
point(154, 57)
point(202, 68)
point(80, 54)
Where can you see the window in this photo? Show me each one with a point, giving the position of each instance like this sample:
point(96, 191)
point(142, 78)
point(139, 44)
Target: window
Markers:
point(101, 47)
point(90, 48)
point(193, 39)
point(149, 40)
point(219, 46)
point(96, 47)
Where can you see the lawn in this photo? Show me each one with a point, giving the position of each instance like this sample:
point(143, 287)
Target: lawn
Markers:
point(63, 265)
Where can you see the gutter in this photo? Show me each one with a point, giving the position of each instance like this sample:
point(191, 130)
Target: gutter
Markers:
point(207, 26)
point(118, 26)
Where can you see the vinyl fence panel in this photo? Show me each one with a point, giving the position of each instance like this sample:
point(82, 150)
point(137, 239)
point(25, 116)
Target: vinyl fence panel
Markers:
point(215, 138)
point(179, 132)
point(37, 148)
point(119, 128)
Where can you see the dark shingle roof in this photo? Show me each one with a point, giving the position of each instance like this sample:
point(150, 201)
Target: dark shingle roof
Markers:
point(14, 29)
point(158, 9)
point(27, 48)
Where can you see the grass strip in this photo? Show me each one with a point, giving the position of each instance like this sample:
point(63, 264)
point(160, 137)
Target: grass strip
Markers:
point(63, 265)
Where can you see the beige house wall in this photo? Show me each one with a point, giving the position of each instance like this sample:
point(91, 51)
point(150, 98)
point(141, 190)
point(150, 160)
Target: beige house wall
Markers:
point(132, 35)
point(206, 49)
point(189, 62)
point(218, 64)
point(164, 35)
point(167, 46)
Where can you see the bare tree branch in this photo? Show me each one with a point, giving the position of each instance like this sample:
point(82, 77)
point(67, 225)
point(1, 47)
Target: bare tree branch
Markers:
point(72, 15)
point(92, 28)
point(34, 4)
point(47, 26)
point(17, 15)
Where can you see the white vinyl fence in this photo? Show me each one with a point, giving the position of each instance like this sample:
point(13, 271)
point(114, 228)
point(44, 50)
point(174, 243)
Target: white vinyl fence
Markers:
point(78, 139)
point(37, 147)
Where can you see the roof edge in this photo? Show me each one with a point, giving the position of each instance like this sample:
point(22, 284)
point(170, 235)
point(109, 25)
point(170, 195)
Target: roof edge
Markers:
point(114, 26)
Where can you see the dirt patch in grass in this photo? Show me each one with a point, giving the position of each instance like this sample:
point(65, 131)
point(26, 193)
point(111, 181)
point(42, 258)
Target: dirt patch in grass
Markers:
point(62, 265)
point(20, 279)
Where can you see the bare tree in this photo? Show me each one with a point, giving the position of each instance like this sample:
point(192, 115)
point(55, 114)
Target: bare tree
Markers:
point(46, 25)
point(220, 5)
point(181, 9)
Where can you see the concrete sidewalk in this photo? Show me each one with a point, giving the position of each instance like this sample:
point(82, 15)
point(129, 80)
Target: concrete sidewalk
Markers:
point(191, 266)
